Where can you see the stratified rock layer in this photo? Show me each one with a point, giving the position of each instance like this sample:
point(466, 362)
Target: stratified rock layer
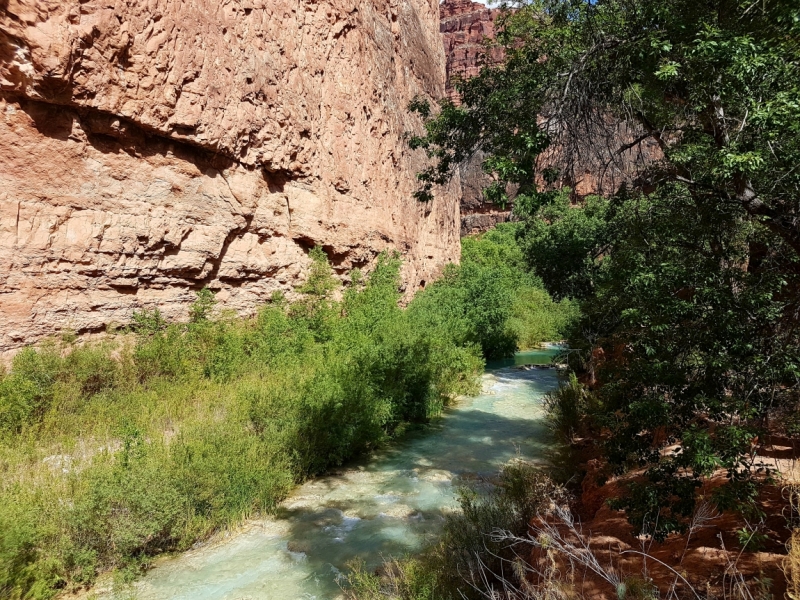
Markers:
point(464, 26)
point(151, 148)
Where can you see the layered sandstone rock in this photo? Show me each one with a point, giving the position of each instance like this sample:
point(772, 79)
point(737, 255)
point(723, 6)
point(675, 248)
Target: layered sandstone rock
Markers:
point(464, 26)
point(151, 148)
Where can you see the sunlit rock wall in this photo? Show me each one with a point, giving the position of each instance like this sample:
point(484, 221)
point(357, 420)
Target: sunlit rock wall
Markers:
point(151, 148)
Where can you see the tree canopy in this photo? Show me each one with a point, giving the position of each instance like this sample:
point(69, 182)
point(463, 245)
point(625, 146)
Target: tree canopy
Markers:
point(716, 85)
point(687, 268)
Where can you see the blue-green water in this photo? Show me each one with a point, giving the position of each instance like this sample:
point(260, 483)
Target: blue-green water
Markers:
point(544, 356)
point(391, 504)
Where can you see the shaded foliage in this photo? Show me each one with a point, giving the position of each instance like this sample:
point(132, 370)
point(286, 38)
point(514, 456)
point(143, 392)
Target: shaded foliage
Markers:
point(687, 275)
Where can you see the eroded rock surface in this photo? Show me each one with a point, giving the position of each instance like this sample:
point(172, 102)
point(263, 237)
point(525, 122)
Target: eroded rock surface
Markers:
point(150, 148)
point(464, 26)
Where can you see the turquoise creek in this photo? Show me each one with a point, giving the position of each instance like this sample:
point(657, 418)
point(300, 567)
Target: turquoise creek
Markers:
point(390, 504)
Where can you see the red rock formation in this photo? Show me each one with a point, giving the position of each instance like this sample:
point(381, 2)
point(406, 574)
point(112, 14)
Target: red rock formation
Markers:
point(464, 26)
point(150, 148)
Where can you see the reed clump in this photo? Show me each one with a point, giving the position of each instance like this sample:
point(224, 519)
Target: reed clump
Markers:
point(791, 564)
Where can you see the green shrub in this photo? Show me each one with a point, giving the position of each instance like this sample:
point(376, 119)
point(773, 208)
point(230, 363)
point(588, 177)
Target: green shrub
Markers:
point(21, 575)
point(92, 369)
point(19, 400)
point(165, 354)
point(567, 409)
point(227, 354)
point(147, 322)
point(169, 432)
point(43, 379)
point(28, 391)
point(127, 511)
point(201, 308)
point(226, 474)
point(493, 299)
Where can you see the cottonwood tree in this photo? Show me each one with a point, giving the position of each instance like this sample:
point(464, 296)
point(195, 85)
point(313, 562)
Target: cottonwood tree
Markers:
point(687, 113)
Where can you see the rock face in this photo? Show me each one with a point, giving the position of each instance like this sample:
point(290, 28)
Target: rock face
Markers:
point(477, 215)
point(464, 26)
point(151, 148)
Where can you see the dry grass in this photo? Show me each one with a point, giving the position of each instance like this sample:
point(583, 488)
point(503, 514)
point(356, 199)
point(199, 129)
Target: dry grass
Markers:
point(791, 566)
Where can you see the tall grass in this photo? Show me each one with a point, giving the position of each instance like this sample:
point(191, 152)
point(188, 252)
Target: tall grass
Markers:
point(112, 453)
point(791, 564)
point(467, 563)
point(567, 409)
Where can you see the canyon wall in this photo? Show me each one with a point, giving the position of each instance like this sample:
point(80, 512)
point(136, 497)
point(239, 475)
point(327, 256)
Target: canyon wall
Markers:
point(464, 26)
point(152, 148)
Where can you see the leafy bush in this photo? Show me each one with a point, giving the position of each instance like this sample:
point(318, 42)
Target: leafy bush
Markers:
point(536, 318)
point(128, 510)
point(565, 246)
point(147, 322)
point(225, 475)
point(28, 391)
point(567, 409)
point(118, 451)
point(493, 300)
point(201, 308)
point(20, 574)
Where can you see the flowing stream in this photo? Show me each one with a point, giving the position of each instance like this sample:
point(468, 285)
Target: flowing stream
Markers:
point(390, 504)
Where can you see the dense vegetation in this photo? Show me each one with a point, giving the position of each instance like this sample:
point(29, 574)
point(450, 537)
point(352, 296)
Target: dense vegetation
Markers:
point(113, 452)
point(493, 299)
point(688, 273)
point(688, 333)
point(688, 276)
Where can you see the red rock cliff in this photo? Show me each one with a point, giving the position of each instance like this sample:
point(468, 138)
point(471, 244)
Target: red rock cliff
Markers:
point(464, 26)
point(150, 148)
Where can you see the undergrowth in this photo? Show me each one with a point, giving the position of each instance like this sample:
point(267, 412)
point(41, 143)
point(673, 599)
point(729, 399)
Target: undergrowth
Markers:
point(114, 452)
point(466, 563)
